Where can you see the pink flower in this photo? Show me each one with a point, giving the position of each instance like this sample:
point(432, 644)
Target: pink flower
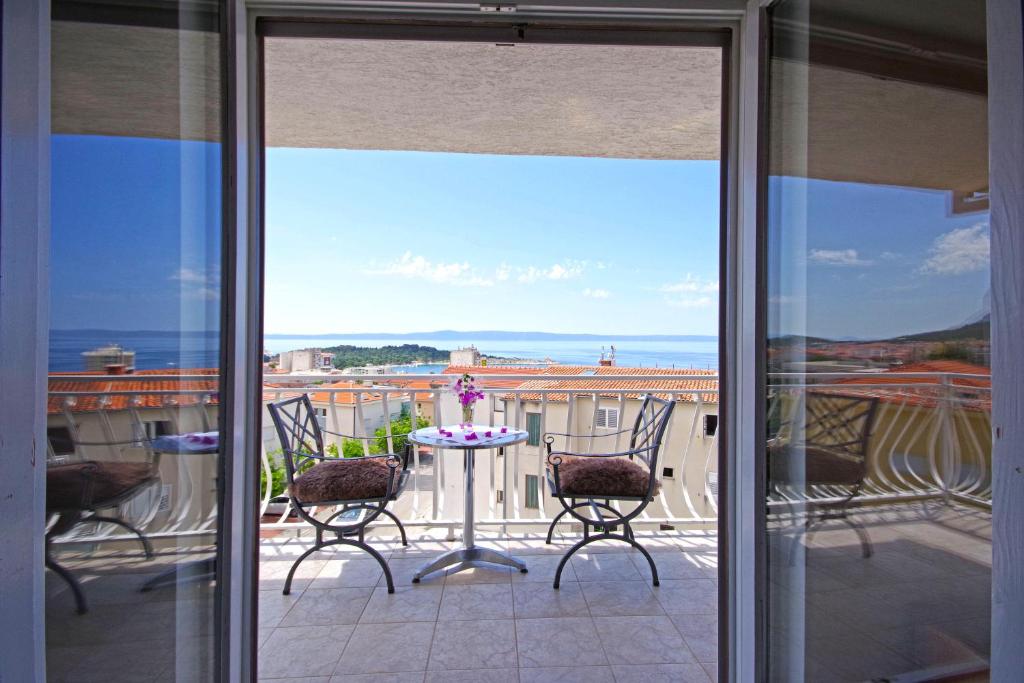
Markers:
point(471, 436)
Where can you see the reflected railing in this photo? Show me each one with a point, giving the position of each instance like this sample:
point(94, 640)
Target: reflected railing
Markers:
point(932, 439)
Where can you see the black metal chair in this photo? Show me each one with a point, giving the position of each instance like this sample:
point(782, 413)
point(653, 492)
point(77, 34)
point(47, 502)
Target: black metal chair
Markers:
point(76, 491)
point(316, 480)
point(591, 481)
point(818, 458)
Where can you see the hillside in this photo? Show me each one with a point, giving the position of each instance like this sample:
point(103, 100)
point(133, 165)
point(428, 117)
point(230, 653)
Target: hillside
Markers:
point(346, 356)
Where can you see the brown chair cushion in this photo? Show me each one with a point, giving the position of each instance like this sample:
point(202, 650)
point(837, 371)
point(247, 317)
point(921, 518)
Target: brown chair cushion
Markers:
point(89, 484)
point(343, 479)
point(819, 465)
point(603, 477)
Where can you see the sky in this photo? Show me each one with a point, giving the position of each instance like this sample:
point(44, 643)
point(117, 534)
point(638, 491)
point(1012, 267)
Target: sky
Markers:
point(363, 241)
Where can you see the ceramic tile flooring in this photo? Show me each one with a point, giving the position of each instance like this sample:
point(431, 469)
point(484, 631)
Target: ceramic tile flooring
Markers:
point(605, 623)
point(922, 600)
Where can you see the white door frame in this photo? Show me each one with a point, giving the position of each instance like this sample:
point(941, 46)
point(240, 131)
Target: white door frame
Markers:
point(740, 527)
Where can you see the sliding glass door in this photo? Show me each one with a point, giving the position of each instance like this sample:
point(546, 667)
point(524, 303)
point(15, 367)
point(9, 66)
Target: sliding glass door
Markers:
point(134, 414)
point(878, 445)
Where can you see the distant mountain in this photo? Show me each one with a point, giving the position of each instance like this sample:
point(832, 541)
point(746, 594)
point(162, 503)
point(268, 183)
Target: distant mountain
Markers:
point(499, 335)
point(977, 330)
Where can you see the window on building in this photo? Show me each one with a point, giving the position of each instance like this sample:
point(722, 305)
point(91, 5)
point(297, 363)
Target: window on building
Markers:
point(500, 496)
point(532, 492)
point(607, 418)
point(710, 425)
point(533, 429)
point(60, 440)
point(149, 430)
point(668, 472)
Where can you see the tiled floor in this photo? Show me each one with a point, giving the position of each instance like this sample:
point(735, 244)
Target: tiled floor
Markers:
point(605, 623)
point(922, 600)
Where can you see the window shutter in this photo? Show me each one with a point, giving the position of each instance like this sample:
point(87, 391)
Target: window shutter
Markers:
point(533, 429)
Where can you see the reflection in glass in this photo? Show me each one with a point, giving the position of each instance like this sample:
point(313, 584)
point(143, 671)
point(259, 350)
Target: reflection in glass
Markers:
point(133, 435)
point(879, 400)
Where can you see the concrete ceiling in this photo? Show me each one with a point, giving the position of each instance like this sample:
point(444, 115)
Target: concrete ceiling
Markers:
point(632, 102)
point(599, 101)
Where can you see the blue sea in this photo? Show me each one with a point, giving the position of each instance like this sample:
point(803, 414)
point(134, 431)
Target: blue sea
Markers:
point(167, 350)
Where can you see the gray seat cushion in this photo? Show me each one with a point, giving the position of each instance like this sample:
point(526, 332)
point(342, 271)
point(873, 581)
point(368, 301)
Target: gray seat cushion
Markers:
point(584, 477)
point(344, 479)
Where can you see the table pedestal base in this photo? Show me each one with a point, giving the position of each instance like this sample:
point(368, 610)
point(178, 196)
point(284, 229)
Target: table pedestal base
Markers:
point(469, 558)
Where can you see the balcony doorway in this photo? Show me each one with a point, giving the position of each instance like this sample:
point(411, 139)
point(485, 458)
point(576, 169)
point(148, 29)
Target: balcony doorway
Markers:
point(538, 208)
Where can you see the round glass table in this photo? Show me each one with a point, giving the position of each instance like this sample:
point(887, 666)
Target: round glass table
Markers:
point(469, 438)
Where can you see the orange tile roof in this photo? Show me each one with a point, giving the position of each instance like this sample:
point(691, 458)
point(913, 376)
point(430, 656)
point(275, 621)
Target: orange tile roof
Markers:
point(94, 395)
point(484, 374)
point(677, 380)
point(343, 397)
point(973, 393)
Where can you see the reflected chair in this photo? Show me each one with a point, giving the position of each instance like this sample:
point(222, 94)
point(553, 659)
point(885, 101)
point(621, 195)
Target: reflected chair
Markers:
point(819, 459)
point(75, 492)
point(587, 483)
point(317, 480)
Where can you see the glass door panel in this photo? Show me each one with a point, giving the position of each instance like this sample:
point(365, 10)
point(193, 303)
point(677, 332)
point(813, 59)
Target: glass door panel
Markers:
point(878, 451)
point(135, 342)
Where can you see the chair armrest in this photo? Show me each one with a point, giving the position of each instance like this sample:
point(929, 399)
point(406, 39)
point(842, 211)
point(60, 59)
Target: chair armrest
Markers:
point(587, 436)
point(555, 457)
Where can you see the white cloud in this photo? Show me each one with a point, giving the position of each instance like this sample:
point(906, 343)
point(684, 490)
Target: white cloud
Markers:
point(690, 285)
point(838, 257)
point(558, 271)
point(596, 293)
point(889, 256)
point(503, 272)
point(691, 292)
point(197, 284)
point(691, 302)
point(419, 268)
point(963, 250)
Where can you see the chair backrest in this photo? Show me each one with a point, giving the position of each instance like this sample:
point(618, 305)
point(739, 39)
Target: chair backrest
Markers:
point(299, 432)
point(649, 429)
point(837, 423)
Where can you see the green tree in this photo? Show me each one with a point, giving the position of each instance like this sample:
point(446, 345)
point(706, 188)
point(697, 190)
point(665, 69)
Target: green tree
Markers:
point(399, 429)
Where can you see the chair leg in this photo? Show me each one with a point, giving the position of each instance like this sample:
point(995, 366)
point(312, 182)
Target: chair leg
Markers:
point(866, 550)
point(650, 560)
point(341, 541)
point(291, 572)
point(80, 605)
point(551, 529)
point(401, 529)
point(146, 546)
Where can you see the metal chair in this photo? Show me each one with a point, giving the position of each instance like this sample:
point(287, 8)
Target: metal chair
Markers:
point(591, 481)
point(823, 451)
point(316, 480)
point(76, 491)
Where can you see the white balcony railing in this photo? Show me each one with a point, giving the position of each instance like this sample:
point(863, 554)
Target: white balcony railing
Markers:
point(932, 439)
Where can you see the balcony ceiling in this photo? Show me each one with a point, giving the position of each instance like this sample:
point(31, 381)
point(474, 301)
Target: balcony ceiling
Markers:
point(623, 102)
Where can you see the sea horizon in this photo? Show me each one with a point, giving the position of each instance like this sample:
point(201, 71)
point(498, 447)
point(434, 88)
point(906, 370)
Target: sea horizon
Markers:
point(164, 350)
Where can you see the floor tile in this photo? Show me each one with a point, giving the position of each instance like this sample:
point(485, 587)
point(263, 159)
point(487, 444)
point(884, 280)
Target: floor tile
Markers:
point(540, 600)
point(596, 566)
point(407, 603)
point(688, 596)
point(510, 675)
point(567, 674)
point(661, 673)
point(324, 606)
point(620, 598)
point(348, 572)
point(479, 575)
point(273, 574)
point(489, 644)
point(386, 648)
point(700, 631)
point(642, 640)
point(401, 677)
point(562, 641)
point(302, 651)
point(542, 569)
point(403, 569)
point(476, 601)
point(671, 565)
point(273, 606)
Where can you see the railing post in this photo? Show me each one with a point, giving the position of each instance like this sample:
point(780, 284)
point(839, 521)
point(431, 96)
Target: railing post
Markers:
point(946, 435)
